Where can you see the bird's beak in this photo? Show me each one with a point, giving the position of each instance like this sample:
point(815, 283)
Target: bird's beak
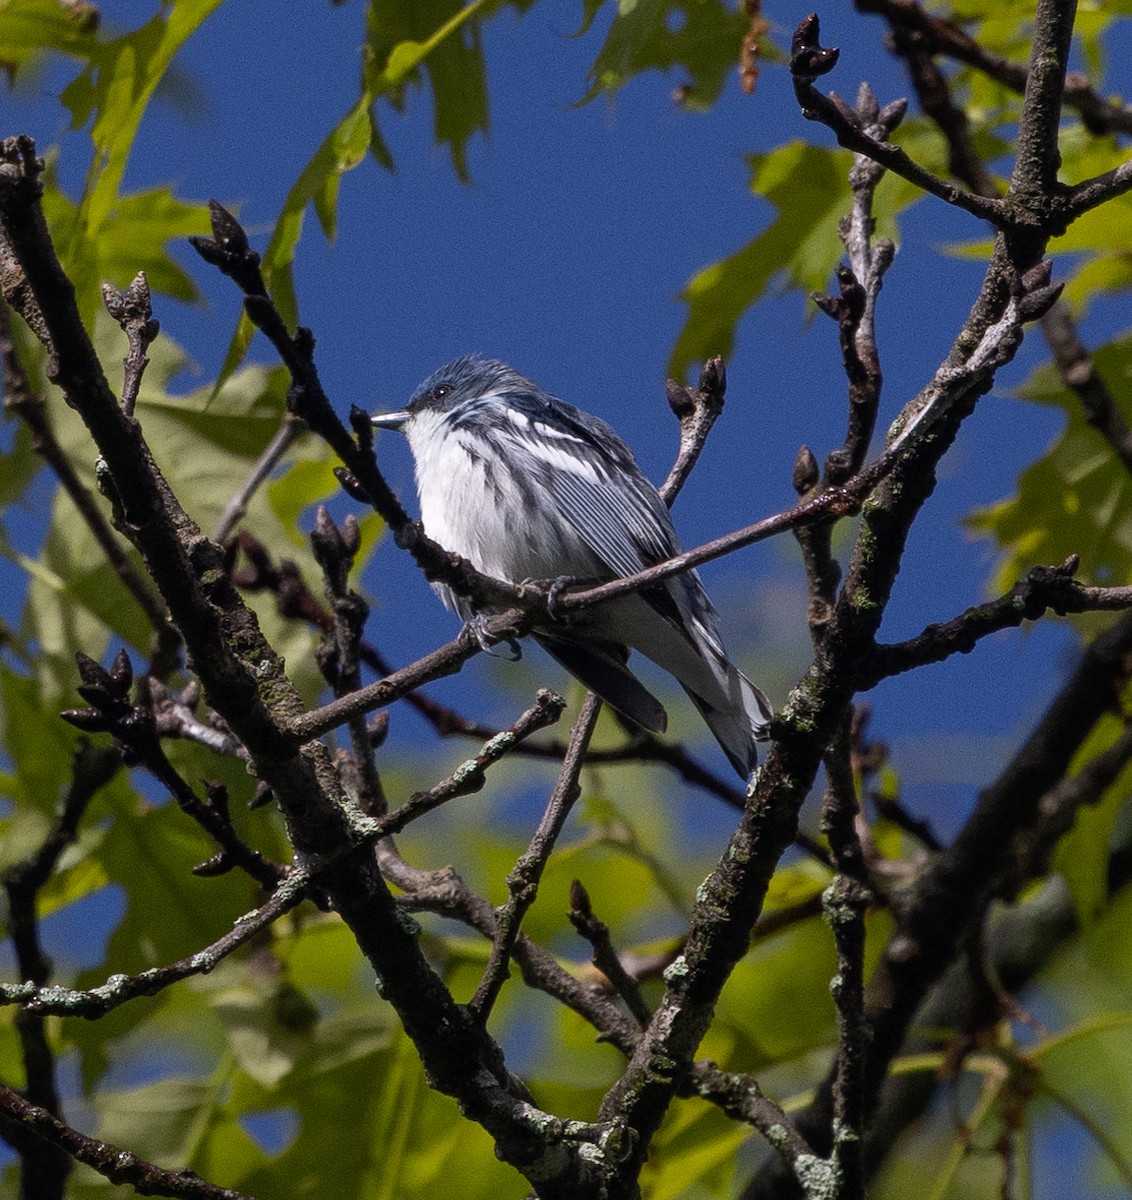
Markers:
point(393, 420)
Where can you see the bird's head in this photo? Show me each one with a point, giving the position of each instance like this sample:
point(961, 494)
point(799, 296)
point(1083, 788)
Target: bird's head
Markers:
point(455, 384)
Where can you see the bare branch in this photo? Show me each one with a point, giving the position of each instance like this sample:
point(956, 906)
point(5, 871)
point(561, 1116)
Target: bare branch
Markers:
point(1079, 373)
point(1034, 181)
point(118, 1165)
point(741, 1097)
point(469, 775)
point(1091, 193)
point(523, 880)
point(120, 989)
point(697, 412)
point(135, 728)
point(940, 36)
point(605, 957)
point(446, 660)
point(237, 506)
point(840, 118)
point(1044, 589)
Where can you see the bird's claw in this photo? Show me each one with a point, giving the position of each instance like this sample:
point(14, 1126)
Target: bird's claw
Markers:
point(553, 589)
point(506, 648)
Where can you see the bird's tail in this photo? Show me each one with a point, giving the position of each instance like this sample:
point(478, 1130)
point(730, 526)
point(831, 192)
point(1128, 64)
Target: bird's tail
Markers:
point(739, 717)
point(602, 668)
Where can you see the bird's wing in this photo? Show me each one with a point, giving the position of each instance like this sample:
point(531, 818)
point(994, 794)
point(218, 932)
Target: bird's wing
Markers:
point(600, 490)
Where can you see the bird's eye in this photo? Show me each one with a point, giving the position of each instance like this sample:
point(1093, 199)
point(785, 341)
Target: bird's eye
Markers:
point(438, 393)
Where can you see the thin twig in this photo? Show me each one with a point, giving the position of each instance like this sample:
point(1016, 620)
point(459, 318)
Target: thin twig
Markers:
point(697, 412)
point(605, 957)
point(1042, 590)
point(468, 777)
point(1078, 371)
point(134, 313)
point(741, 1097)
point(119, 989)
point(808, 61)
point(845, 903)
point(237, 506)
point(523, 880)
point(116, 1164)
point(339, 658)
point(135, 728)
point(940, 36)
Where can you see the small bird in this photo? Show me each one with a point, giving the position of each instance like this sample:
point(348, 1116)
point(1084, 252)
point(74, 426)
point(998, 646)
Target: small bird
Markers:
point(526, 487)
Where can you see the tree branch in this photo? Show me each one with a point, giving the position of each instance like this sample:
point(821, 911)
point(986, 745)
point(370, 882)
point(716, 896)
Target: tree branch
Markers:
point(808, 61)
point(940, 36)
point(605, 957)
point(1044, 589)
point(951, 895)
point(237, 506)
point(697, 411)
point(524, 877)
point(120, 989)
point(1079, 373)
point(116, 1164)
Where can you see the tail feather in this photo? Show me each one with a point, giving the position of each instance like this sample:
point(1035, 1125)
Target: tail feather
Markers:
point(740, 724)
point(601, 667)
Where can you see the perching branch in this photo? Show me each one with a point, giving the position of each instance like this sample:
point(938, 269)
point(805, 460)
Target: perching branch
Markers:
point(245, 683)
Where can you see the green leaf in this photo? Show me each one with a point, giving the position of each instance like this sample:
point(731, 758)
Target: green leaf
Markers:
point(696, 1145)
point(113, 93)
point(164, 1121)
point(18, 467)
point(149, 855)
point(700, 37)
point(41, 752)
point(30, 27)
point(133, 237)
point(809, 190)
point(409, 41)
point(1076, 498)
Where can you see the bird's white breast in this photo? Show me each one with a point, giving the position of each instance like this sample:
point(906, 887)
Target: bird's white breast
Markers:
point(480, 513)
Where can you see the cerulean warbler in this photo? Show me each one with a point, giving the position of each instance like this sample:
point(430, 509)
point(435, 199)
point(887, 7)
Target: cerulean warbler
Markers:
point(526, 487)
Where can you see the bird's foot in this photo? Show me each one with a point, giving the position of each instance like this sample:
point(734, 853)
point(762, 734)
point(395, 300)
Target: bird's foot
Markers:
point(507, 648)
point(553, 589)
